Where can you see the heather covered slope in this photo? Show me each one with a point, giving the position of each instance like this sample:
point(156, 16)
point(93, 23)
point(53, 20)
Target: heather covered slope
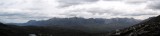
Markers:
point(150, 27)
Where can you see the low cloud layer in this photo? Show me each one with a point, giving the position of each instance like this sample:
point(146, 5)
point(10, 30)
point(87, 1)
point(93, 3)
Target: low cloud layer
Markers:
point(24, 10)
point(66, 3)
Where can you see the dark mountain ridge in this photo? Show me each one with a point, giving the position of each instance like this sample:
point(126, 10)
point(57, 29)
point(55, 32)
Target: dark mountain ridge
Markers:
point(93, 25)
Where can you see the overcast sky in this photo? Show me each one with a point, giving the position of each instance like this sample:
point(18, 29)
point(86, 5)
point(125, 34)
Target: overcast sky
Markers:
point(24, 10)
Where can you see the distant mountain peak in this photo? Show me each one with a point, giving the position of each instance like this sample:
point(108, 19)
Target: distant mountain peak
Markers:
point(31, 21)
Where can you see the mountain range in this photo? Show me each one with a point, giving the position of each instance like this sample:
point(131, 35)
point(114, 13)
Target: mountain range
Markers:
point(148, 27)
point(93, 25)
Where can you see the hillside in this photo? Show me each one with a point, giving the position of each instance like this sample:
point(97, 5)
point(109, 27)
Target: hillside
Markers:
point(6, 30)
point(12, 30)
point(149, 27)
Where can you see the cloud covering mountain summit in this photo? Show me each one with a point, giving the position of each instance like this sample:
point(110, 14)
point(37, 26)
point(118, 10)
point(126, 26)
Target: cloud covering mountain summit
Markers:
point(24, 10)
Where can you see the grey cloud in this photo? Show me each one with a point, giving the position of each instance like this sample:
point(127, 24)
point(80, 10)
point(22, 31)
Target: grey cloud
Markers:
point(154, 5)
point(131, 1)
point(136, 2)
point(1, 4)
point(66, 3)
point(94, 11)
point(72, 14)
point(12, 14)
point(113, 0)
point(69, 15)
point(140, 14)
point(21, 15)
point(11, 17)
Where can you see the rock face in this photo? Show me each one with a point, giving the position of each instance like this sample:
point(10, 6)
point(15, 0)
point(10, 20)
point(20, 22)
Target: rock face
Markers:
point(150, 27)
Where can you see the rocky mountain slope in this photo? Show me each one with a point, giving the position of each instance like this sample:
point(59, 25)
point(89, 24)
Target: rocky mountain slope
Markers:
point(150, 27)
